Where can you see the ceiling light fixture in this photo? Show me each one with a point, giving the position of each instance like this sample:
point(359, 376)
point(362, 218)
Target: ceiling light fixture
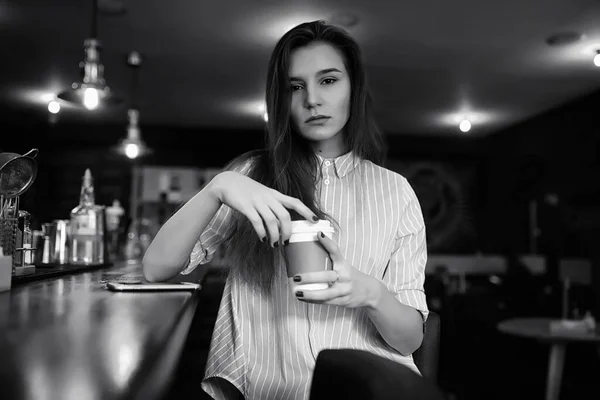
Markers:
point(465, 125)
point(91, 91)
point(53, 107)
point(597, 58)
point(133, 146)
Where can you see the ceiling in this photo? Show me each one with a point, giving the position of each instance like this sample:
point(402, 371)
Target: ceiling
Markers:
point(431, 63)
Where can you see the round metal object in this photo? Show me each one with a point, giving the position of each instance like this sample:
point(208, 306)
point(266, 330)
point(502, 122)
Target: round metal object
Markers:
point(17, 173)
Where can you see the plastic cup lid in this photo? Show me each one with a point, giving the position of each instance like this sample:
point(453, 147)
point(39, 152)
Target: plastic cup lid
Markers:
point(307, 226)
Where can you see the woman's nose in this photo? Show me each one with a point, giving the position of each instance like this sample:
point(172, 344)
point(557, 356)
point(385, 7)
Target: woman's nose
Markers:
point(312, 98)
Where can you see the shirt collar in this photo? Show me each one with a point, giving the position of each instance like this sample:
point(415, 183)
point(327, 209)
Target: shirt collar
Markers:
point(343, 164)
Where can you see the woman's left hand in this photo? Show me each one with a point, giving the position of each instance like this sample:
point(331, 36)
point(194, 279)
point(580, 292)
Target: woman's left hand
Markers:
point(348, 286)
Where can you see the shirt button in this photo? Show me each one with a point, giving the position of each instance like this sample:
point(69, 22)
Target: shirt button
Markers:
point(327, 181)
point(327, 163)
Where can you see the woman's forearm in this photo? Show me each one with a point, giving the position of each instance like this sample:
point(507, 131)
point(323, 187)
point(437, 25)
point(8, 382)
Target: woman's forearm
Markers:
point(401, 326)
point(170, 250)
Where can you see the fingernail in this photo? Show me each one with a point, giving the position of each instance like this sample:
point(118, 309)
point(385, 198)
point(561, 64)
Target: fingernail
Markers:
point(315, 218)
point(297, 278)
point(299, 294)
point(286, 242)
point(322, 235)
point(263, 239)
point(276, 244)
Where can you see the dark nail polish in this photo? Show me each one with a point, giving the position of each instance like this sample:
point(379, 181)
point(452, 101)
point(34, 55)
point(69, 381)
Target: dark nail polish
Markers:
point(299, 294)
point(263, 239)
point(276, 244)
point(315, 218)
point(286, 242)
point(322, 235)
point(297, 278)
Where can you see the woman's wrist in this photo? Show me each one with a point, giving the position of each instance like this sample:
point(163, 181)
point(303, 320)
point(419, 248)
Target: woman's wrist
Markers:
point(374, 290)
point(215, 187)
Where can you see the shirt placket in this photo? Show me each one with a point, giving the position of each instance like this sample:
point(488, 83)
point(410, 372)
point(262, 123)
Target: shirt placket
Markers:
point(315, 342)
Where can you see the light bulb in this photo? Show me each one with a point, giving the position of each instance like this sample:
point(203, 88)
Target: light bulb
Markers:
point(132, 150)
point(91, 99)
point(54, 107)
point(465, 125)
point(597, 59)
point(266, 117)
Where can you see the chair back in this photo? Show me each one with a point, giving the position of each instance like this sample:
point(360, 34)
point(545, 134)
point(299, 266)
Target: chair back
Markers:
point(351, 374)
point(427, 356)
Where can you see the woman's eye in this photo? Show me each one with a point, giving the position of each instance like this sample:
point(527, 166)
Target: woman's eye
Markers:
point(296, 87)
point(328, 81)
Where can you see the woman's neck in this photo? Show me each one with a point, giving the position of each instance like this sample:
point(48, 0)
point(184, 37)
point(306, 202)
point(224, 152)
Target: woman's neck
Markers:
point(332, 148)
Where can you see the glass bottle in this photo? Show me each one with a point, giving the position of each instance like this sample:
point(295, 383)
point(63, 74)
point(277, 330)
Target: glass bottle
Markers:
point(25, 256)
point(133, 251)
point(87, 227)
point(139, 236)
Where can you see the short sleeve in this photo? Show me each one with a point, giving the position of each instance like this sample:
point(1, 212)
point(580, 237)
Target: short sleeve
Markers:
point(405, 273)
point(209, 241)
point(218, 229)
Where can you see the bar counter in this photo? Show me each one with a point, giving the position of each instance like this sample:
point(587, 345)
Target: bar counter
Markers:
point(70, 338)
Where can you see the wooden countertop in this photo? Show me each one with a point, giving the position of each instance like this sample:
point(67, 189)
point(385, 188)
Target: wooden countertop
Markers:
point(70, 338)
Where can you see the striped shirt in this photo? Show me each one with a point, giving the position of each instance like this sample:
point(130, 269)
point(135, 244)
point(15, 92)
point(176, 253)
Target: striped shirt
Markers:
point(266, 346)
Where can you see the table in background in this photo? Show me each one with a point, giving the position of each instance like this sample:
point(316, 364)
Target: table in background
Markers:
point(539, 329)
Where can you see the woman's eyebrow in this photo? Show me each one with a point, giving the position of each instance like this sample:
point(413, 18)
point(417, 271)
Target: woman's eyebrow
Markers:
point(321, 72)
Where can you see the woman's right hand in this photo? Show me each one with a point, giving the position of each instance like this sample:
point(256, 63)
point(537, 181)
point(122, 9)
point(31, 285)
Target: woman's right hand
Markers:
point(263, 206)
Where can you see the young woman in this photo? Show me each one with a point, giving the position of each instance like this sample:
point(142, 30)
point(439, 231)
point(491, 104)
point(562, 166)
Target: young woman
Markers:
point(322, 161)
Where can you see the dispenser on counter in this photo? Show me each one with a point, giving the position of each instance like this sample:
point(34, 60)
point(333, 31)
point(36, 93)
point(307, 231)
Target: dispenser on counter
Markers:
point(52, 244)
point(86, 244)
point(43, 254)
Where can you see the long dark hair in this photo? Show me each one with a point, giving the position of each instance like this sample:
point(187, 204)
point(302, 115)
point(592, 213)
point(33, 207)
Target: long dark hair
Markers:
point(288, 164)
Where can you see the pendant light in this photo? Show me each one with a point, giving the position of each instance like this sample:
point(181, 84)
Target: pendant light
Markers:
point(92, 91)
point(133, 146)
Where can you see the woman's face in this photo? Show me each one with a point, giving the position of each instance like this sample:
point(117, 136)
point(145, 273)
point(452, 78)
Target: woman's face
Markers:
point(320, 95)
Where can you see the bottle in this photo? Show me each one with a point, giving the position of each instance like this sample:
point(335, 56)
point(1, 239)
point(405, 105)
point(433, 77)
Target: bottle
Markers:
point(139, 236)
point(113, 215)
point(589, 321)
point(113, 224)
point(27, 240)
point(24, 240)
point(87, 227)
point(133, 249)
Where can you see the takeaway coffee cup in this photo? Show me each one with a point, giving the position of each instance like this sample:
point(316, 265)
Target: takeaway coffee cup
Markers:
point(304, 253)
